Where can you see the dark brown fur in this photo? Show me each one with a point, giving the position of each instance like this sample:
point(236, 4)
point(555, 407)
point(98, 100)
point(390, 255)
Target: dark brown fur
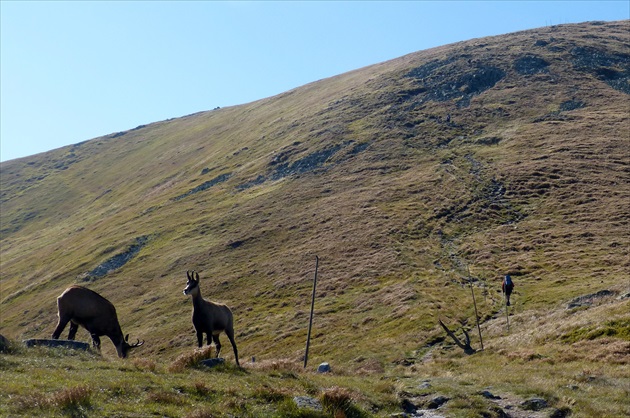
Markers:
point(84, 307)
point(208, 317)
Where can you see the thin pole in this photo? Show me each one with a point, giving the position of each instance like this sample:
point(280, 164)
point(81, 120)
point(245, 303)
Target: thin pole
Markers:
point(475, 303)
point(310, 321)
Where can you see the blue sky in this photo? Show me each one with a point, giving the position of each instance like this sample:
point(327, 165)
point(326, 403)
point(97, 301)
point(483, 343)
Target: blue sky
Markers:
point(72, 71)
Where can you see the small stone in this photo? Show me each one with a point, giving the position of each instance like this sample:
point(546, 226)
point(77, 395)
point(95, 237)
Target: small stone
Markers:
point(489, 395)
point(560, 413)
point(424, 385)
point(323, 368)
point(213, 362)
point(308, 403)
point(534, 404)
point(76, 345)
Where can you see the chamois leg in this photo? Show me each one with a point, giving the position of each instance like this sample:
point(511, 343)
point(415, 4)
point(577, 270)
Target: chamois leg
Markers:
point(217, 343)
point(230, 334)
point(96, 342)
point(60, 326)
point(200, 339)
point(73, 330)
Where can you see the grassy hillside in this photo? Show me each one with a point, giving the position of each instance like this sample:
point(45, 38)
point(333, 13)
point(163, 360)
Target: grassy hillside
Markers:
point(494, 155)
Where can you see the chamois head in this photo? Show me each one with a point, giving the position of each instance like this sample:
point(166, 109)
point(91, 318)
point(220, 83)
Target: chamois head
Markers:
point(192, 285)
point(123, 348)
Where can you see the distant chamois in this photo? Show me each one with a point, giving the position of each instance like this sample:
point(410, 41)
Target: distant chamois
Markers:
point(209, 317)
point(81, 306)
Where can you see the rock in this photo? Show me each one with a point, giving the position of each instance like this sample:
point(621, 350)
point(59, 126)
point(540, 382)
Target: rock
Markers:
point(424, 385)
point(534, 404)
point(488, 395)
point(436, 402)
point(323, 368)
point(588, 300)
point(212, 362)
point(426, 413)
point(308, 403)
point(76, 345)
point(408, 406)
point(5, 344)
point(560, 413)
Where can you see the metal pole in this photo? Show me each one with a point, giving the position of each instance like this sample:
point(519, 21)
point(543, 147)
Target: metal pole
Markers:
point(475, 303)
point(310, 322)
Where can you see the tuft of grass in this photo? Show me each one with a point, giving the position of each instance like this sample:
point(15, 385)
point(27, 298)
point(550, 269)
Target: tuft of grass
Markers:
point(75, 401)
point(337, 402)
point(144, 364)
point(190, 359)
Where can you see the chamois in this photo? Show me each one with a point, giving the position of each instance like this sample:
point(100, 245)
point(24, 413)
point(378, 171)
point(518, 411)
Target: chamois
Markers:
point(209, 317)
point(81, 306)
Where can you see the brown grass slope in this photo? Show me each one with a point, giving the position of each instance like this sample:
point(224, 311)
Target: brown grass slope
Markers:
point(501, 154)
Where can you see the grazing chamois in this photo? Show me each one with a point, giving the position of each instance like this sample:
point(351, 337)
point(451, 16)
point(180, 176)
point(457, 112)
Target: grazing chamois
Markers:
point(81, 306)
point(209, 317)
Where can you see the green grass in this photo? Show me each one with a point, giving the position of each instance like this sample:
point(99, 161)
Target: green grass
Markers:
point(67, 383)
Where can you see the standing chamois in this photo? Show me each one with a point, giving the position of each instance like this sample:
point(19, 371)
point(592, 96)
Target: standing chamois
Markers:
point(209, 317)
point(81, 306)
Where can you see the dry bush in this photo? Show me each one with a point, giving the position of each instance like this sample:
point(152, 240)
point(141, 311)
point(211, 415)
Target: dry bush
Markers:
point(71, 398)
point(190, 359)
point(337, 401)
point(270, 394)
point(370, 366)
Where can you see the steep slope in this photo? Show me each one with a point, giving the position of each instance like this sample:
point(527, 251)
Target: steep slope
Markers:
point(501, 154)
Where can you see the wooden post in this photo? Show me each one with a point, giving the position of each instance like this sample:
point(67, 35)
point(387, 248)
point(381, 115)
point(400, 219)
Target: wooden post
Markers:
point(475, 303)
point(310, 321)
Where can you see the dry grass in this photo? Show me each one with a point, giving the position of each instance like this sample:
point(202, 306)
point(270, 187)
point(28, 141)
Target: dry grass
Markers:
point(191, 359)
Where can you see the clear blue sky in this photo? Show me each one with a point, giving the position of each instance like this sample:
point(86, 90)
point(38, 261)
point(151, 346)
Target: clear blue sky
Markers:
point(72, 71)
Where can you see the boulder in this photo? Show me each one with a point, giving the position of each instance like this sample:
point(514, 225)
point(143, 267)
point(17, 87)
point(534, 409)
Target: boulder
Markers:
point(534, 404)
point(212, 362)
point(5, 344)
point(75, 345)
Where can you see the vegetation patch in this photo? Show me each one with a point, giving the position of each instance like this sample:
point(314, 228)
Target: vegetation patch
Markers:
point(616, 329)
